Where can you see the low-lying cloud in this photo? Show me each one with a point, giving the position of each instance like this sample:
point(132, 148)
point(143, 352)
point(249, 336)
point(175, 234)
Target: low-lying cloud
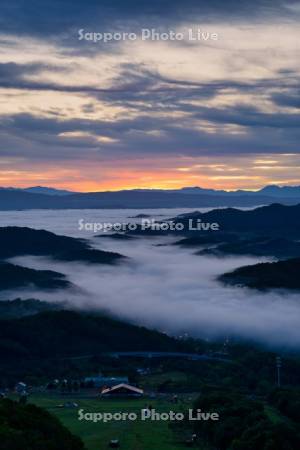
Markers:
point(172, 289)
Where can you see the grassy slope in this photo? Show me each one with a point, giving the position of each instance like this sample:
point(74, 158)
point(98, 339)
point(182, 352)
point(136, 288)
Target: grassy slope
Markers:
point(136, 435)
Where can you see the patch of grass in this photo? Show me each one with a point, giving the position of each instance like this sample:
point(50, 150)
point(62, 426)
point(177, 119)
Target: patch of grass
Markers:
point(156, 379)
point(133, 435)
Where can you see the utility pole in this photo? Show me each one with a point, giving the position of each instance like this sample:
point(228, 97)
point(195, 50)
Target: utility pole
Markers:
point(278, 366)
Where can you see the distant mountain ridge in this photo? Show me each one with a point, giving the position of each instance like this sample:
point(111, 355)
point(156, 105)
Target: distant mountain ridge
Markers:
point(272, 190)
point(47, 190)
point(269, 190)
point(40, 190)
point(189, 197)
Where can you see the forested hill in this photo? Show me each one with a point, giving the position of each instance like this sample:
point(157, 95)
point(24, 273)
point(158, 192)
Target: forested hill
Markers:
point(281, 275)
point(71, 334)
point(28, 427)
point(18, 241)
point(272, 218)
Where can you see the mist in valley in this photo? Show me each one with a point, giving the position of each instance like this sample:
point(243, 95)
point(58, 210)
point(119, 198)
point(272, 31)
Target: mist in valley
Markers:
point(174, 290)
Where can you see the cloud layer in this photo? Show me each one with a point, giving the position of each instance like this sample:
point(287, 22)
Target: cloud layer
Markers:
point(163, 287)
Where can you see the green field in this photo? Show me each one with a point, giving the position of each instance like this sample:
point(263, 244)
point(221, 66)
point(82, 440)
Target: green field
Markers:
point(137, 435)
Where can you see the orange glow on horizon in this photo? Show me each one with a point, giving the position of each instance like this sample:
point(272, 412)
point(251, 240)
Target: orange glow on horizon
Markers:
point(141, 180)
point(162, 173)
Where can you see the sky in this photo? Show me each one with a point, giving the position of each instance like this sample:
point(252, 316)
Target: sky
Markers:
point(219, 111)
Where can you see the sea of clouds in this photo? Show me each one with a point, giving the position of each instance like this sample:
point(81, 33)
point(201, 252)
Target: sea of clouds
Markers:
point(167, 287)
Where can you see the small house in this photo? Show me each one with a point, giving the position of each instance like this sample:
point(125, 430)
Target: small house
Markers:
point(122, 390)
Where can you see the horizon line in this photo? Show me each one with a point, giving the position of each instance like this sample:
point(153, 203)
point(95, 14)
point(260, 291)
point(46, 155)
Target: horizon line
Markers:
point(147, 188)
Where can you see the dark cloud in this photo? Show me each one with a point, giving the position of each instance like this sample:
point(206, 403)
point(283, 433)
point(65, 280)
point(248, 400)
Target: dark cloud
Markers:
point(137, 137)
point(50, 17)
point(13, 75)
point(289, 99)
point(246, 116)
point(147, 95)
